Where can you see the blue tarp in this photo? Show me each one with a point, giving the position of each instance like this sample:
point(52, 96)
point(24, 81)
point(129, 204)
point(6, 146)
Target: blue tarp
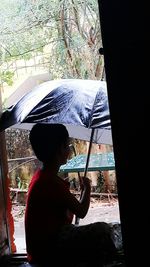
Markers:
point(98, 162)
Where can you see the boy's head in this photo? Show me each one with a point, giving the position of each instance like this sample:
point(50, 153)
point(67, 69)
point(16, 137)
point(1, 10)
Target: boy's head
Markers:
point(47, 139)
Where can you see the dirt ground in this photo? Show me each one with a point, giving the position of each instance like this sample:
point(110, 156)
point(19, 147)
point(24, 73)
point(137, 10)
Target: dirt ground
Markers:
point(106, 210)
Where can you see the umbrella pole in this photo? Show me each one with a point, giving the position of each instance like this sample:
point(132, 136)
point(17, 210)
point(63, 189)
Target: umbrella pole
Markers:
point(89, 152)
point(86, 169)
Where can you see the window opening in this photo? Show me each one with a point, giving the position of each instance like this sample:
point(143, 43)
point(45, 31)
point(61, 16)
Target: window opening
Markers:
point(39, 49)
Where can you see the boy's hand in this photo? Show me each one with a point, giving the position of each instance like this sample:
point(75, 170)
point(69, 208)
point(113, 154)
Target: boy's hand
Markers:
point(86, 182)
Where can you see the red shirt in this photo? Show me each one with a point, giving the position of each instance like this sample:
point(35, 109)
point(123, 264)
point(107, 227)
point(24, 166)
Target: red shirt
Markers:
point(46, 211)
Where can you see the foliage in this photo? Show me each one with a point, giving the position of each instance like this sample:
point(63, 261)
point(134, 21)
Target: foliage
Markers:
point(7, 77)
point(68, 30)
point(100, 182)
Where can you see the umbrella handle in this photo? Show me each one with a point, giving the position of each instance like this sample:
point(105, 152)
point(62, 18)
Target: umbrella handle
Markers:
point(87, 160)
point(80, 179)
point(85, 171)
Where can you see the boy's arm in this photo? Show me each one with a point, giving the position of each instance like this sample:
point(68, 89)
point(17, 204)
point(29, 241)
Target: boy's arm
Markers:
point(79, 207)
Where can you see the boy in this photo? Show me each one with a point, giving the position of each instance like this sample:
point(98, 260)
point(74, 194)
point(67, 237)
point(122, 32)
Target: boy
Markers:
point(51, 206)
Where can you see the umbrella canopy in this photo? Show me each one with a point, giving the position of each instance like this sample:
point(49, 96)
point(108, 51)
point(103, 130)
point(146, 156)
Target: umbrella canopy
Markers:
point(81, 105)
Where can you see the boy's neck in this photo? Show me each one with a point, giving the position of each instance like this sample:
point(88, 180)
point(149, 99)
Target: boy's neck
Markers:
point(51, 167)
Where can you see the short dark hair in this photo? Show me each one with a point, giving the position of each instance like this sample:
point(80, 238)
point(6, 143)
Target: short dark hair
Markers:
point(46, 140)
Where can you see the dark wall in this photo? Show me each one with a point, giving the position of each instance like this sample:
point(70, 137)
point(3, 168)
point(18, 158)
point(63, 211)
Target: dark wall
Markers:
point(126, 43)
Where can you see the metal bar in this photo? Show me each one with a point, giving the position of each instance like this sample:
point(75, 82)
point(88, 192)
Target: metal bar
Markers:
point(89, 152)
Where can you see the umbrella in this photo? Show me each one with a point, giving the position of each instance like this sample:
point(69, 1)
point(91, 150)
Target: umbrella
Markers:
point(81, 105)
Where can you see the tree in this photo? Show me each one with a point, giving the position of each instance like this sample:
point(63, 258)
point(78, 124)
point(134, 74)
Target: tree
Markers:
point(70, 30)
